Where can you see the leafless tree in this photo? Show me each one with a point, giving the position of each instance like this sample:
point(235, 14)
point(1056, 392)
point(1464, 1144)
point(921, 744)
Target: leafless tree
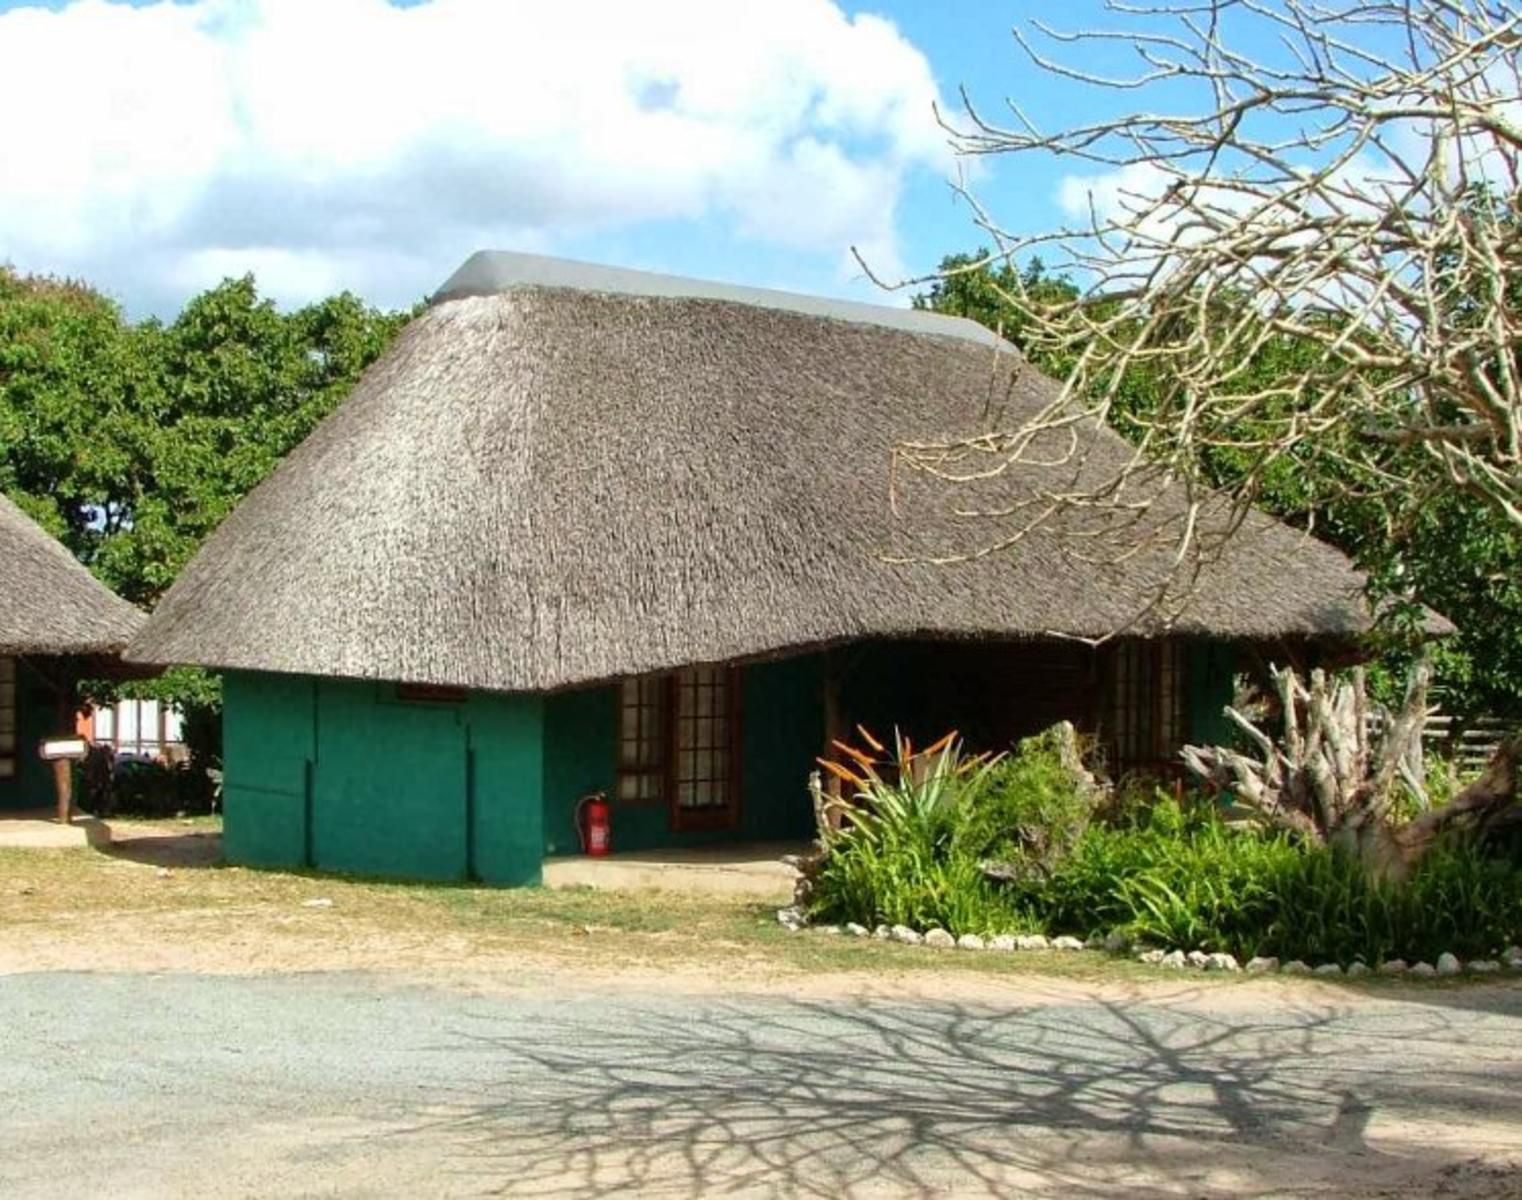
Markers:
point(1352, 187)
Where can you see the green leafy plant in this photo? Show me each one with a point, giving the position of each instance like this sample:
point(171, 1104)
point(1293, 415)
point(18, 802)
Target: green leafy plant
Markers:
point(915, 836)
point(1187, 880)
point(893, 856)
point(1032, 808)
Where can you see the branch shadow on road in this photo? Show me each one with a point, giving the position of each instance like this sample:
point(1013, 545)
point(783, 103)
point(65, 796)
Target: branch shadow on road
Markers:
point(874, 1098)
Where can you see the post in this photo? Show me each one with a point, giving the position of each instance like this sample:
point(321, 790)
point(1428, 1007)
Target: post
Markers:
point(63, 770)
point(833, 725)
point(63, 766)
point(63, 785)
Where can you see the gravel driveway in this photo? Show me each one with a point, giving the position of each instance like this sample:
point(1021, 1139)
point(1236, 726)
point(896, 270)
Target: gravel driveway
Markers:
point(349, 1085)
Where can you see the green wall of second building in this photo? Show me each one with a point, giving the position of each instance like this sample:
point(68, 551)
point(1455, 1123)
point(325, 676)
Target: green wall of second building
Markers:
point(345, 776)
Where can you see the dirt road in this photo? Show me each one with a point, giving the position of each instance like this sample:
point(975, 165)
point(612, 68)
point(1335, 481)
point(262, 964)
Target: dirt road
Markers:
point(132, 1084)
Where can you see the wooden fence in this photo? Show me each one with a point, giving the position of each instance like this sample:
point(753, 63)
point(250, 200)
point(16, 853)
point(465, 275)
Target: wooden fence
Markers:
point(1471, 744)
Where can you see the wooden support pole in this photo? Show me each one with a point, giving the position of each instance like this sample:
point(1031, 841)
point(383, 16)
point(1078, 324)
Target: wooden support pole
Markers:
point(834, 726)
point(63, 784)
point(63, 769)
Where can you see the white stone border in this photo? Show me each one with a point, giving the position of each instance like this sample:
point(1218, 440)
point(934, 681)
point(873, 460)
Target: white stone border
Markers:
point(794, 919)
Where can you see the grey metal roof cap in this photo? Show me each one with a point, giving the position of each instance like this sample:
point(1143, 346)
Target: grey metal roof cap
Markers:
point(491, 272)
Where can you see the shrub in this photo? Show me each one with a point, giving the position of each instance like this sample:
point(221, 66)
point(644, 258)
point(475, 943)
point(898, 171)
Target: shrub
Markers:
point(1031, 808)
point(1176, 876)
point(894, 859)
point(150, 789)
point(915, 845)
point(1187, 880)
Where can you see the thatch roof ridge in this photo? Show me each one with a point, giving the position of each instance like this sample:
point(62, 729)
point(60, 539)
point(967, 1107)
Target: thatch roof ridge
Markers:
point(49, 603)
point(496, 272)
point(549, 486)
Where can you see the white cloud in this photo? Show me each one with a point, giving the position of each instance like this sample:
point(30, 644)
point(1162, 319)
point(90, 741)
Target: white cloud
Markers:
point(1108, 195)
point(352, 143)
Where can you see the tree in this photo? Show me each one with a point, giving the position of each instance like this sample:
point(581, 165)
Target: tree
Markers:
point(1343, 206)
point(73, 380)
point(131, 442)
point(1453, 554)
point(981, 289)
point(1350, 202)
point(1330, 780)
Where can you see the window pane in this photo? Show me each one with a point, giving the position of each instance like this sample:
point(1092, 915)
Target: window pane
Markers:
point(703, 737)
point(641, 739)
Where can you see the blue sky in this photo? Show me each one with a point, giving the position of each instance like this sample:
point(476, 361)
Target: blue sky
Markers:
point(344, 144)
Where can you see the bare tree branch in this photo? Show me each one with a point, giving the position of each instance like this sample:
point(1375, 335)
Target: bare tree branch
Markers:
point(1356, 190)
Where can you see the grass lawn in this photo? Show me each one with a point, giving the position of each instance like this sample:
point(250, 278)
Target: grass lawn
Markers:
point(119, 909)
point(124, 910)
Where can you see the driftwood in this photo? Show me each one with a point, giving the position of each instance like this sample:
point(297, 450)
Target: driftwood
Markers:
point(1488, 801)
point(1337, 770)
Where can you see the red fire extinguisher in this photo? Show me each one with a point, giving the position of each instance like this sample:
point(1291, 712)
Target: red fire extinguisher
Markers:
point(594, 824)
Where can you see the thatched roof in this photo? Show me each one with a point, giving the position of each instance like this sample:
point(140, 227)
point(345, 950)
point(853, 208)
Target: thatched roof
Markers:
point(49, 603)
point(561, 474)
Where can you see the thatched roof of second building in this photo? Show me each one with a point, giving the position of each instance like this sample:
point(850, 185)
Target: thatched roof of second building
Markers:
point(49, 603)
point(560, 475)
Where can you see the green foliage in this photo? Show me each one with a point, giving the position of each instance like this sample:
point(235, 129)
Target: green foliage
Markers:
point(893, 860)
point(1180, 877)
point(1448, 550)
point(911, 848)
point(996, 295)
point(1027, 813)
point(131, 442)
point(894, 879)
point(1458, 557)
point(1189, 881)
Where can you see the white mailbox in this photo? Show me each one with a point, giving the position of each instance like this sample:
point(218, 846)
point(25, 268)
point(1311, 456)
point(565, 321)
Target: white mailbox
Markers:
point(63, 749)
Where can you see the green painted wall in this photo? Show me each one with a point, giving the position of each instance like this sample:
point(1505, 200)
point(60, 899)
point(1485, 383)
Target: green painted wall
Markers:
point(1210, 671)
point(507, 785)
point(269, 738)
point(344, 776)
point(36, 718)
point(781, 724)
point(580, 754)
point(782, 734)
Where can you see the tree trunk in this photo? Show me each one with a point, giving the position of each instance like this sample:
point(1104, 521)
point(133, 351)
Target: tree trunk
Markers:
point(1481, 804)
point(1325, 780)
